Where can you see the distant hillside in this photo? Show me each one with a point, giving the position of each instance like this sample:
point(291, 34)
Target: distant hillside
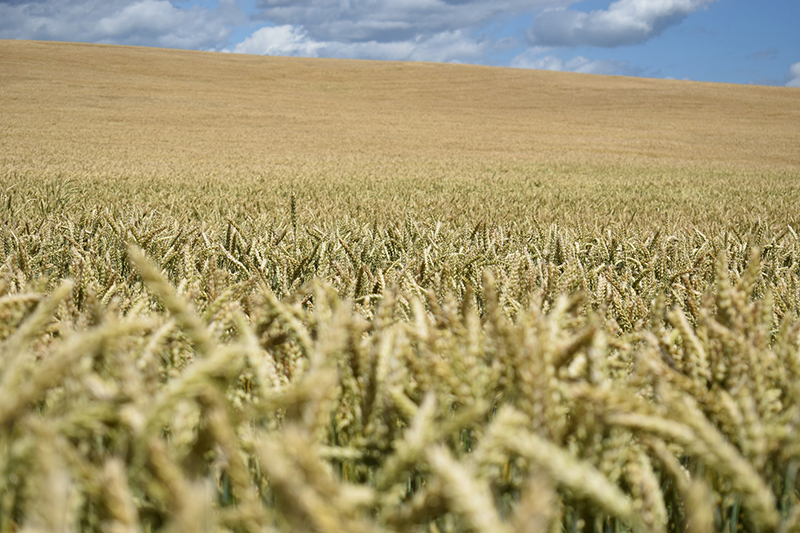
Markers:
point(82, 104)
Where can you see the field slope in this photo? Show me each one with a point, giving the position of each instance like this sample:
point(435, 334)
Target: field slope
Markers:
point(177, 108)
point(269, 294)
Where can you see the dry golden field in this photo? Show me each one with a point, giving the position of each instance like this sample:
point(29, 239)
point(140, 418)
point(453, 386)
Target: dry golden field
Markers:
point(275, 294)
point(432, 134)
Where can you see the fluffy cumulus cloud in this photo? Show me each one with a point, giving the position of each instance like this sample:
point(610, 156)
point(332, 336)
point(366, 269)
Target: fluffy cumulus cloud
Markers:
point(430, 30)
point(367, 21)
point(416, 30)
point(625, 22)
point(793, 79)
point(138, 22)
point(285, 40)
point(288, 40)
point(538, 58)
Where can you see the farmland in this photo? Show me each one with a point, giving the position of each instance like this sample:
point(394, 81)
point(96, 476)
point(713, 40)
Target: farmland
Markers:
point(278, 294)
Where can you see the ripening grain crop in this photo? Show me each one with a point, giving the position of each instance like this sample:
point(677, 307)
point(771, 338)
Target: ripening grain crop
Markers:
point(265, 294)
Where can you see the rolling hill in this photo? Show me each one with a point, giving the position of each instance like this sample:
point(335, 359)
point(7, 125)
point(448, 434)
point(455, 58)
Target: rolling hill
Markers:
point(78, 105)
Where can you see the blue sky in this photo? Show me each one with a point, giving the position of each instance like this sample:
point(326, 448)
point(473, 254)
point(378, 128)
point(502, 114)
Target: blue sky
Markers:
point(734, 41)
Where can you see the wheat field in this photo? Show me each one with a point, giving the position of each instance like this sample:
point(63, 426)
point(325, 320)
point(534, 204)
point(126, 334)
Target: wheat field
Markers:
point(276, 294)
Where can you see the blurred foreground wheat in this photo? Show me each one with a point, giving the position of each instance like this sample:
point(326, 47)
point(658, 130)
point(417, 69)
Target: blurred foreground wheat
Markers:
point(164, 374)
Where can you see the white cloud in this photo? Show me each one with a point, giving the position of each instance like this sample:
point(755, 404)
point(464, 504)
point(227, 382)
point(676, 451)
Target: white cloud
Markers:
point(283, 40)
point(532, 58)
point(793, 79)
point(140, 22)
point(291, 40)
point(429, 30)
point(392, 21)
point(624, 22)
